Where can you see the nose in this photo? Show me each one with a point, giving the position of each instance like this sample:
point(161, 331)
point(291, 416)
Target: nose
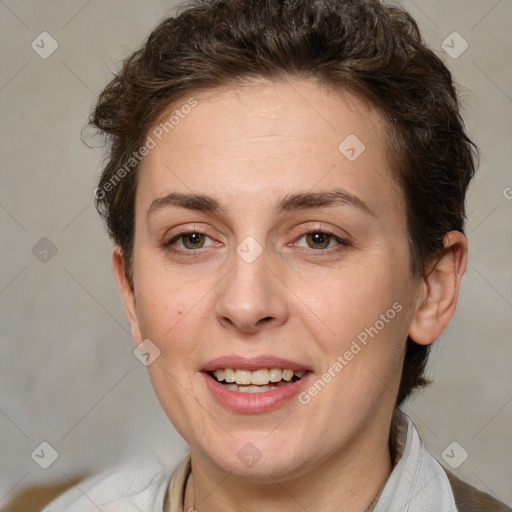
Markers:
point(252, 296)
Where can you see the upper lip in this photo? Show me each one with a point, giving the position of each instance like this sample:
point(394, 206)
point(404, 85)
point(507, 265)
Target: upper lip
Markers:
point(252, 363)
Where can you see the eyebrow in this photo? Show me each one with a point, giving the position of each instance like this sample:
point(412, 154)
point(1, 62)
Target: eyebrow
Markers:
point(332, 198)
point(291, 202)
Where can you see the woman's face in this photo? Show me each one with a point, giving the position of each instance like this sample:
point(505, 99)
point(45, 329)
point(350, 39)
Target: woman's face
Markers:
point(295, 257)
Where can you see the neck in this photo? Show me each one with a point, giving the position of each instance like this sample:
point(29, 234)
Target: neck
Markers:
point(352, 477)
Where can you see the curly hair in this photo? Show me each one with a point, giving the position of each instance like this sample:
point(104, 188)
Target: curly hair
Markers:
point(372, 50)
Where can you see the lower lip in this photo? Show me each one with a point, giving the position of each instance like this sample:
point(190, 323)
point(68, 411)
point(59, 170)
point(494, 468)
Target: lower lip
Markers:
point(252, 403)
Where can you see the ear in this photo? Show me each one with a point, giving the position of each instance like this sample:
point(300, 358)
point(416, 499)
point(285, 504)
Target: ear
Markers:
point(440, 290)
point(127, 294)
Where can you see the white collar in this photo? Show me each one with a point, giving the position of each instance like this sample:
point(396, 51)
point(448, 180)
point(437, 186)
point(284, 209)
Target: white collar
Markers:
point(418, 482)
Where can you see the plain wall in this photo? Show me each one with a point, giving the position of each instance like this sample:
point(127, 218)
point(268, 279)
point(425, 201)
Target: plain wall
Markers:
point(68, 373)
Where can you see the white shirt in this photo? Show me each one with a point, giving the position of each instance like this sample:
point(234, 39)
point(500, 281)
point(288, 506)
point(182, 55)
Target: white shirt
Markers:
point(417, 483)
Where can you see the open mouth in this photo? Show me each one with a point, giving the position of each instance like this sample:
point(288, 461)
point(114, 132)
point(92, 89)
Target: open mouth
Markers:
point(256, 381)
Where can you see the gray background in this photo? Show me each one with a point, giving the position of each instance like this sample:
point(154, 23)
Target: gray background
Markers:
point(69, 376)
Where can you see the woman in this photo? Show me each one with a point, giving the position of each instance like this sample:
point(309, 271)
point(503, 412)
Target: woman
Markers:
point(285, 193)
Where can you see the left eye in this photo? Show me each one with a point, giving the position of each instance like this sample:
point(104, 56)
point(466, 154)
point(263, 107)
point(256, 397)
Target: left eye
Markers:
point(322, 240)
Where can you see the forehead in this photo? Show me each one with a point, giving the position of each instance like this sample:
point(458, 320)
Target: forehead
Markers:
point(262, 139)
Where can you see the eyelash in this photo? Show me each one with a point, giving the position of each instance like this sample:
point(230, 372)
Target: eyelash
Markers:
point(342, 243)
point(168, 245)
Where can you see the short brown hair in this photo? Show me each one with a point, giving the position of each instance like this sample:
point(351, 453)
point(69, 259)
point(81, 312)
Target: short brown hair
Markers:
point(372, 50)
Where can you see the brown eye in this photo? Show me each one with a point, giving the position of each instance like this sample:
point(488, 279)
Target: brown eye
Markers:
point(189, 243)
point(318, 240)
point(193, 240)
point(321, 242)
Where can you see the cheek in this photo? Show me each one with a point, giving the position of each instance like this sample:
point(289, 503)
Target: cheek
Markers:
point(164, 306)
point(366, 314)
point(354, 298)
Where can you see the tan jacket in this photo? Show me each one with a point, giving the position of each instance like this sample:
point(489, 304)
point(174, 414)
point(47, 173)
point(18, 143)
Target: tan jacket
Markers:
point(469, 499)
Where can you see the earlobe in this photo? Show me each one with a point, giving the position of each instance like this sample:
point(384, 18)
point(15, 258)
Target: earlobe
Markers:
point(440, 290)
point(127, 293)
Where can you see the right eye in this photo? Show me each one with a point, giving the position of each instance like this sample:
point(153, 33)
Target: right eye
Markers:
point(187, 241)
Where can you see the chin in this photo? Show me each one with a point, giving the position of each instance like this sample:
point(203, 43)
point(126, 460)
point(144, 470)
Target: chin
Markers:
point(258, 462)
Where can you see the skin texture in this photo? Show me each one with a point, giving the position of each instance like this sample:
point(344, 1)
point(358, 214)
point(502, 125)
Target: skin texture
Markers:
point(249, 147)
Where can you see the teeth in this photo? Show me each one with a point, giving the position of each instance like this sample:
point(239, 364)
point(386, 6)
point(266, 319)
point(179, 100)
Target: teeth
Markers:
point(259, 377)
point(243, 376)
point(255, 378)
point(254, 389)
point(275, 375)
point(229, 375)
point(287, 375)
